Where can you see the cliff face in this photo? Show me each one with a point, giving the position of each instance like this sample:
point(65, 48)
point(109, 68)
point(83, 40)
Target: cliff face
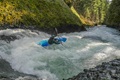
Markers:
point(42, 13)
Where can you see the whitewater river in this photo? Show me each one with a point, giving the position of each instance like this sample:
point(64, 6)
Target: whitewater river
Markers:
point(81, 50)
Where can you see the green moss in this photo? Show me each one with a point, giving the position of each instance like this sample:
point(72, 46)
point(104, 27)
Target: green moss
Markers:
point(37, 12)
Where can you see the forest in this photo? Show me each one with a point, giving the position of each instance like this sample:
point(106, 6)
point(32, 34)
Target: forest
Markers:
point(99, 11)
point(57, 13)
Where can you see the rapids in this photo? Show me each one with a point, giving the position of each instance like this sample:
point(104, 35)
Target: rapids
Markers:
point(82, 50)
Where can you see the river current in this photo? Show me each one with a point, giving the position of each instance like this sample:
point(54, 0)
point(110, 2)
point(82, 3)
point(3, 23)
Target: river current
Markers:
point(82, 50)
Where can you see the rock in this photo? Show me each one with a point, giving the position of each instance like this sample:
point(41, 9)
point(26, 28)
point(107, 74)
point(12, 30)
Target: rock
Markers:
point(107, 71)
point(7, 73)
point(8, 38)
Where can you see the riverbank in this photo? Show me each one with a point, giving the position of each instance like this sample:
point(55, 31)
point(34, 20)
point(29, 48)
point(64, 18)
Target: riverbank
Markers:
point(46, 15)
point(61, 29)
point(7, 73)
point(105, 71)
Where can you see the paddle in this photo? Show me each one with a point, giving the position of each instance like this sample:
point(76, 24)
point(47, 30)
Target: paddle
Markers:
point(56, 31)
point(57, 34)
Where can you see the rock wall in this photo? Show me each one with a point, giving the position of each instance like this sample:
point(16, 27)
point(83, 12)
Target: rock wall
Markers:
point(43, 14)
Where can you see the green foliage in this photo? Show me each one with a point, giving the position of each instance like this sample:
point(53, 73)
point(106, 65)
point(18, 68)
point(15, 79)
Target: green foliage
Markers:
point(113, 15)
point(92, 10)
point(8, 14)
point(43, 13)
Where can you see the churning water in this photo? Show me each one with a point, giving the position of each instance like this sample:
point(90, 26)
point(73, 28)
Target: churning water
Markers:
point(81, 50)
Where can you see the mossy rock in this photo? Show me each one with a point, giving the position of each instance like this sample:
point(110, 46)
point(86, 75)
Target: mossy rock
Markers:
point(41, 13)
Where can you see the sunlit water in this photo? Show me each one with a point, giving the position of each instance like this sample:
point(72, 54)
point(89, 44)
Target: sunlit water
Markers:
point(81, 50)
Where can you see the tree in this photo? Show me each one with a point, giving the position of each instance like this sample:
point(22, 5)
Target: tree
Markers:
point(92, 10)
point(113, 15)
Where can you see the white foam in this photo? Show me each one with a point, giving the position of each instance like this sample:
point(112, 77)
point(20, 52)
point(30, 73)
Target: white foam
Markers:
point(60, 61)
point(104, 33)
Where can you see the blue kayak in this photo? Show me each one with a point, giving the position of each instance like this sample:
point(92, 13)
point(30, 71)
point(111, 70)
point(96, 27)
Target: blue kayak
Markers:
point(44, 43)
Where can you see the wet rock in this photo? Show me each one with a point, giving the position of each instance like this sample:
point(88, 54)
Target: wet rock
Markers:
point(8, 38)
point(7, 73)
point(105, 71)
point(115, 64)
